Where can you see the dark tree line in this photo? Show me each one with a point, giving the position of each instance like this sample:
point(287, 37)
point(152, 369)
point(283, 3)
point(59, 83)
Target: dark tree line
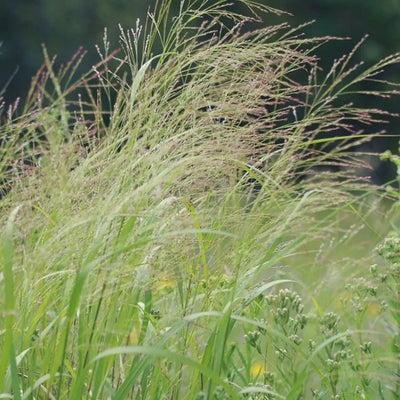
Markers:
point(64, 26)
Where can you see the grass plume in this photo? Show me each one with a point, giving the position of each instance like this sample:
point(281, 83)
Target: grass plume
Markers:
point(153, 202)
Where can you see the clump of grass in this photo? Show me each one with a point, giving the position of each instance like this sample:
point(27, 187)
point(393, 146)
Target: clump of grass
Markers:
point(139, 258)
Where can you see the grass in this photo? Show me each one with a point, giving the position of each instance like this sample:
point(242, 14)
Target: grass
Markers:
point(178, 225)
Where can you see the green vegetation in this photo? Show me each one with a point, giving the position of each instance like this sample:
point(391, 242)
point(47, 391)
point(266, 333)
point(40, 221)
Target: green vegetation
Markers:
point(194, 227)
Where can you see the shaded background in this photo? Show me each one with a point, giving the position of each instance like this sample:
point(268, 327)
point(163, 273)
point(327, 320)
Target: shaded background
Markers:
point(64, 26)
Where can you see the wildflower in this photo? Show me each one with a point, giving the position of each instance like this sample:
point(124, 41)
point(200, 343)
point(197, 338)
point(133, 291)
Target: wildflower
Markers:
point(329, 324)
point(281, 353)
point(252, 338)
point(373, 269)
point(390, 250)
point(164, 282)
point(134, 337)
point(332, 364)
point(373, 309)
point(296, 339)
point(346, 296)
point(257, 369)
point(287, 309)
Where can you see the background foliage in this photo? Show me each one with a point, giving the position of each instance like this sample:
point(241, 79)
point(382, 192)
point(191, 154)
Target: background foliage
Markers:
point(65, 26)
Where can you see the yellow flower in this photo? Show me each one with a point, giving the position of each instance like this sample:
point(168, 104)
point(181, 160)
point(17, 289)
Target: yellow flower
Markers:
point(164, 282)
point(345, 297)
point(134, 337)
point(373, 309)
point(257, 369)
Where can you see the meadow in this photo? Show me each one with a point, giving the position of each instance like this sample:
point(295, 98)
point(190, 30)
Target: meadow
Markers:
point(190, 220)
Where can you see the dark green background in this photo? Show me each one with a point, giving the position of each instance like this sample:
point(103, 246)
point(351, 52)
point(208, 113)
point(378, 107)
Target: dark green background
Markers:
point(65, 25)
